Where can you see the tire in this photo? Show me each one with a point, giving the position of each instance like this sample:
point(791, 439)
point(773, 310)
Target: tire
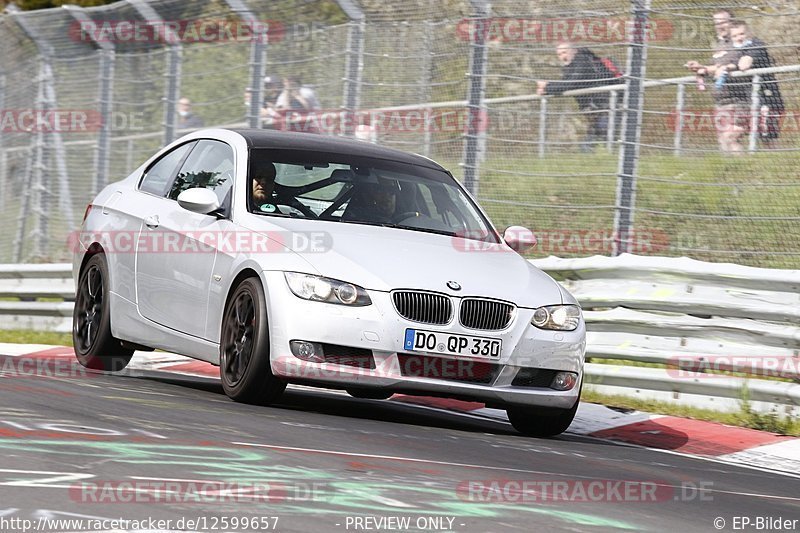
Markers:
point(244, 348)
point(95, 346)
point(370, 394)
point(540, 421)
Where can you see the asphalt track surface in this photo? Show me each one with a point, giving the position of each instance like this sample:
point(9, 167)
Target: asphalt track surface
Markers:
point(99, 446)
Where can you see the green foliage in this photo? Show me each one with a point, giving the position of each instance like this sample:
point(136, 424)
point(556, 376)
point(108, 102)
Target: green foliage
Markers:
point(771, 421)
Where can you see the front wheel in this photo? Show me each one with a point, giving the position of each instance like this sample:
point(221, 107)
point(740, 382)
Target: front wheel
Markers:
point(95, 346)
point(541, 421)
point(244, 348)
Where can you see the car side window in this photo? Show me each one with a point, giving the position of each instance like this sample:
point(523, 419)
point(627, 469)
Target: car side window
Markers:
point(157, 178)
point(210, 166)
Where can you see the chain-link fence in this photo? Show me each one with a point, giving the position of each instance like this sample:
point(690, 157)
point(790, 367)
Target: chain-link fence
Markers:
point(660, 127)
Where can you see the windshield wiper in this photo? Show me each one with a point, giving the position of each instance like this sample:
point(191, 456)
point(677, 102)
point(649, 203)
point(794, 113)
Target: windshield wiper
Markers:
point(429, 230)
point(401, 226)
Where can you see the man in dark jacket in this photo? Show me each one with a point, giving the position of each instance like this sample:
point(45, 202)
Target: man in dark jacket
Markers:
point(770, 99)
point(583, 69)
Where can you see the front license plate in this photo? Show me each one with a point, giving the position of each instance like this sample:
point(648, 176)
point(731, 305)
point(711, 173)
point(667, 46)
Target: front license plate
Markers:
point(448, 343)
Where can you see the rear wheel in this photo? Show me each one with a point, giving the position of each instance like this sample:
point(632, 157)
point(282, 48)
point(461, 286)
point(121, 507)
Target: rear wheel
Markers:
point(540, 421)
point(95, 346)
point(244, 348)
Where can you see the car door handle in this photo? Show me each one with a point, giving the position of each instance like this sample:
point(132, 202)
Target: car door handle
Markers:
point(152, 222)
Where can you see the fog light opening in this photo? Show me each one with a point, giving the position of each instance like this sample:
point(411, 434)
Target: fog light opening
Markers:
point(564, 381)
point(308, 351)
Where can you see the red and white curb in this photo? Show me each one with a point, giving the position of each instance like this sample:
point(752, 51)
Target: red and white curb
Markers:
point(698, 438)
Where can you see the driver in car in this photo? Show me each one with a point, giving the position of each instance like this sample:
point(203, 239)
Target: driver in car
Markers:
point(263, 182)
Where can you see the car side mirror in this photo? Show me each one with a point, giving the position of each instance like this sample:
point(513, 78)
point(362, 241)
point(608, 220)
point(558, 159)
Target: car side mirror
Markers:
point(519, 239)
point(199, 200)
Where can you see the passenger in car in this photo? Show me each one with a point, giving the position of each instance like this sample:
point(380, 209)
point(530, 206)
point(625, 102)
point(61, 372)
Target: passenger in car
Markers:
point(372, 202)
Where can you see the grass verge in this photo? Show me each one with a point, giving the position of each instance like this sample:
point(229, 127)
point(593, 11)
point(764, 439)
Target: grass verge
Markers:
point(24, 336)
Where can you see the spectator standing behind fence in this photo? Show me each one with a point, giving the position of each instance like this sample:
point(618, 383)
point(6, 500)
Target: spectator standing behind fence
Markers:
point(769, 94)
point(731, 95)
point(583, 69)
point(270, 117)
point(298, 103)
point(187, 119)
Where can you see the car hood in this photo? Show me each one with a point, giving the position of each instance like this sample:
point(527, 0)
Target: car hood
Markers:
point(383, 259)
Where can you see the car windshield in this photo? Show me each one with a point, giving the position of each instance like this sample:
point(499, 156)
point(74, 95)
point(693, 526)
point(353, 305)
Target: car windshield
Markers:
point(364, 191)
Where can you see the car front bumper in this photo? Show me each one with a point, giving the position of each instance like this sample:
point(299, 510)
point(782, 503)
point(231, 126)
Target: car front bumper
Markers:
point(372, 338)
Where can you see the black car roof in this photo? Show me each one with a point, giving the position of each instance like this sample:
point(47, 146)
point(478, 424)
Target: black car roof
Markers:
point(284, 140)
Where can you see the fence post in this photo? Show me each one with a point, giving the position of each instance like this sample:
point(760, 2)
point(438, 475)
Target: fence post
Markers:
point(631, 128)
point(425, 86)
point(755, 113)
point(129, 155)
point(173, 71)
point(612, 121)
point(3, 158)
point(680, 103)
point(354, 64)
point(107, 63)
point(476, 77)
point(258, 51)
point(35, 195)
point(542, 125)
point(428, 116)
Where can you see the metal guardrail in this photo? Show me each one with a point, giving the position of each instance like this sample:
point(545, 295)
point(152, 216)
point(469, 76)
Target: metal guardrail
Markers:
point(699, 321)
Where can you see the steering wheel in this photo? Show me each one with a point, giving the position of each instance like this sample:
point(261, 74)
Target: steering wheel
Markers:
point(403, 216)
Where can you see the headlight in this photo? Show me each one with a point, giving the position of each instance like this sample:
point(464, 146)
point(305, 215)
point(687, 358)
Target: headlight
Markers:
point(319, 289)
point(558, 317)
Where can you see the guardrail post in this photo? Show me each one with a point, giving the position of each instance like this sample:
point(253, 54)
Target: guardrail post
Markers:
point(173, 70)
point(755, 113)
point(476, 76)
point(258, 51)
point(631, 129)
point(680, 103)
point(542, 126)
